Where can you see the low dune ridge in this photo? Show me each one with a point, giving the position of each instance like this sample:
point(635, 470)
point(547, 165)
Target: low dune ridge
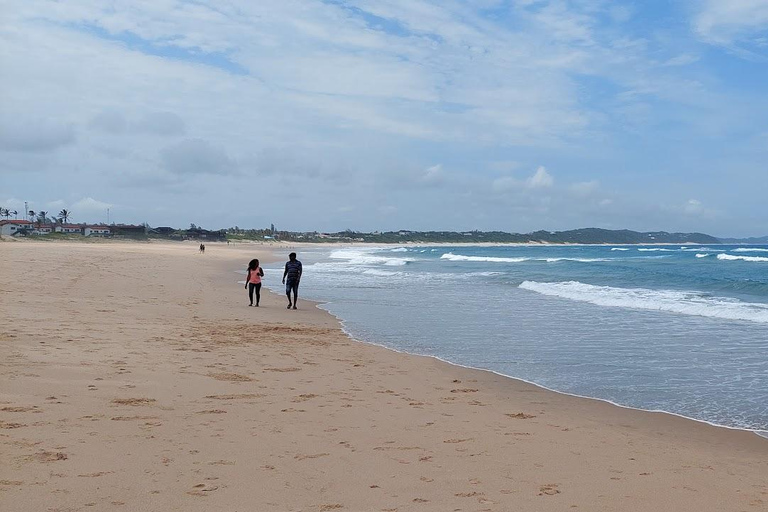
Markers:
point(135, 377)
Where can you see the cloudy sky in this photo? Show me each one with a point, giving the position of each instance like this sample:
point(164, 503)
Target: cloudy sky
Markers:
point(514, 115)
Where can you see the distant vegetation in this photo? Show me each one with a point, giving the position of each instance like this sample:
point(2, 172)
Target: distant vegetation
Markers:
point(752, 240)
point(235, 234)
point(576, 236)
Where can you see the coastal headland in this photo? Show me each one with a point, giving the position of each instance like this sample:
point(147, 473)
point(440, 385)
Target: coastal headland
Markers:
point(135, 377)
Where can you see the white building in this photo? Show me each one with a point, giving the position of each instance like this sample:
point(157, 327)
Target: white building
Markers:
point(69, 228)
point(97, 231)
point(11, 227)
point(43, 230)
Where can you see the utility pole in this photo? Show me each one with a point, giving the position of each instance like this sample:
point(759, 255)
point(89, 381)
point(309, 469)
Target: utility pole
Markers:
point(26, 211)
point(107, 216)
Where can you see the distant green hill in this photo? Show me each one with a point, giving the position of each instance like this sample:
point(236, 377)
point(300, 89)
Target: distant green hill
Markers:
point(753, 240)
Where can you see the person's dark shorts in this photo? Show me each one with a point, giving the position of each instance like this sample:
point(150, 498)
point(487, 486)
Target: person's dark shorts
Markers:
point(291, 285)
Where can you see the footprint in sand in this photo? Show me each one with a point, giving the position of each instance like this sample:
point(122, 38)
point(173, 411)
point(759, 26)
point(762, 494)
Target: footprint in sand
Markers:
point(331, 506)
point(315, 456)
point(46, 456)
point(520, 415)
point(304, 398)
point(133, 401)
point(202, 490)
point(17, 409)
point(468, 494)
point(241, 396)
point(10, 425)
point(230, 377)
point(464, 390)
point(548, 490)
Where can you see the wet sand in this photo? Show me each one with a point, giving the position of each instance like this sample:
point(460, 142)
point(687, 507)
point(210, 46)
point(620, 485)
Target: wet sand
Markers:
point(135, 377)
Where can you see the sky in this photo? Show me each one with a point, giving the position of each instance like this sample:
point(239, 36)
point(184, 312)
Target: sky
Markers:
point(513, 115)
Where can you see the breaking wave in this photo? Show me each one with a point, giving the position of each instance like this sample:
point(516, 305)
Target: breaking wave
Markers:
point(672, 301)
point(731, 257)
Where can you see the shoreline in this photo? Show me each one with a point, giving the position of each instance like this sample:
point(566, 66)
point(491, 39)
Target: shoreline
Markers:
point(762, 434)
point(172, 395)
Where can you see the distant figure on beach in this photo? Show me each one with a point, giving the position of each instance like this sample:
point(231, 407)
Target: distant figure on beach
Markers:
point(291, 278)
point(253, 281)
point(202, 248)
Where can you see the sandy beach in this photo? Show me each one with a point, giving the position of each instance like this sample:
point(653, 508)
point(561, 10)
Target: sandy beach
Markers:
point(135, 377)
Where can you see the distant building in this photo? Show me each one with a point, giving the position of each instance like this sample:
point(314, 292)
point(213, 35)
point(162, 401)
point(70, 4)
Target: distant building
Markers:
point(96, 231)
point(74, 229)
point(44, 230)
point(12, 227)
point(127, 230)
point(200, 233)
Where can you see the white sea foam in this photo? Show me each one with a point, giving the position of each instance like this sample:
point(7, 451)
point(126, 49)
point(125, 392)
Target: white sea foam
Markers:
point(700, 249)
point(492, 259)
point(701, 255)
point(750, 249)
point(366, 257)
point(656, 249)
point(399, 249)
point(682, 302)
point(731, 257)
point(489, 259)
point(382, 273)
point(619, 249)
point(581, 260)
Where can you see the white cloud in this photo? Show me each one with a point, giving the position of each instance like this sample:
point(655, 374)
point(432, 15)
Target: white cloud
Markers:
point(196, 156)
point(433, 175)
point(161, 123)
point(731, 21)
point(109, 121)
point(681, 60)
point(584, 188)
point(693, 207)
point(89, 206)
point(34, 135)
point(505, 184)
point(540, 179)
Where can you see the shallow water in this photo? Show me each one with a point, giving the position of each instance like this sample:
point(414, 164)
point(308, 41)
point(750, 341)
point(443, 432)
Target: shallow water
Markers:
point(678, 329)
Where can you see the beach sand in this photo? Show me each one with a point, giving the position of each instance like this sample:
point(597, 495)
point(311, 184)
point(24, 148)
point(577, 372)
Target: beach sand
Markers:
point(135, 377)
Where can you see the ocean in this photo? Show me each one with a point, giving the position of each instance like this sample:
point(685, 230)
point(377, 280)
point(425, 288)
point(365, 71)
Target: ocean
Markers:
point(681, 329)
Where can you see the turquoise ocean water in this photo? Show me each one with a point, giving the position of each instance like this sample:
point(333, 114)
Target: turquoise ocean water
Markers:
point(682, 329)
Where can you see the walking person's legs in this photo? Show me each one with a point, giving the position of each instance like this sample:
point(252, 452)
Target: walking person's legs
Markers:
point(257, 288)
point(251, 287)
point(288, 293)
point(295, 294)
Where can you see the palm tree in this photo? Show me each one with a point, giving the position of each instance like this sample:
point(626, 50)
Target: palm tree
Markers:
point(31, 214)
point(64, 215)
point(15, 214)
point(4, 212)
point(41, 217)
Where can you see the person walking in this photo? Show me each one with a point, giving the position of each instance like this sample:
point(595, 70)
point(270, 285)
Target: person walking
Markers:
point(291, 278)
point(253, 281)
